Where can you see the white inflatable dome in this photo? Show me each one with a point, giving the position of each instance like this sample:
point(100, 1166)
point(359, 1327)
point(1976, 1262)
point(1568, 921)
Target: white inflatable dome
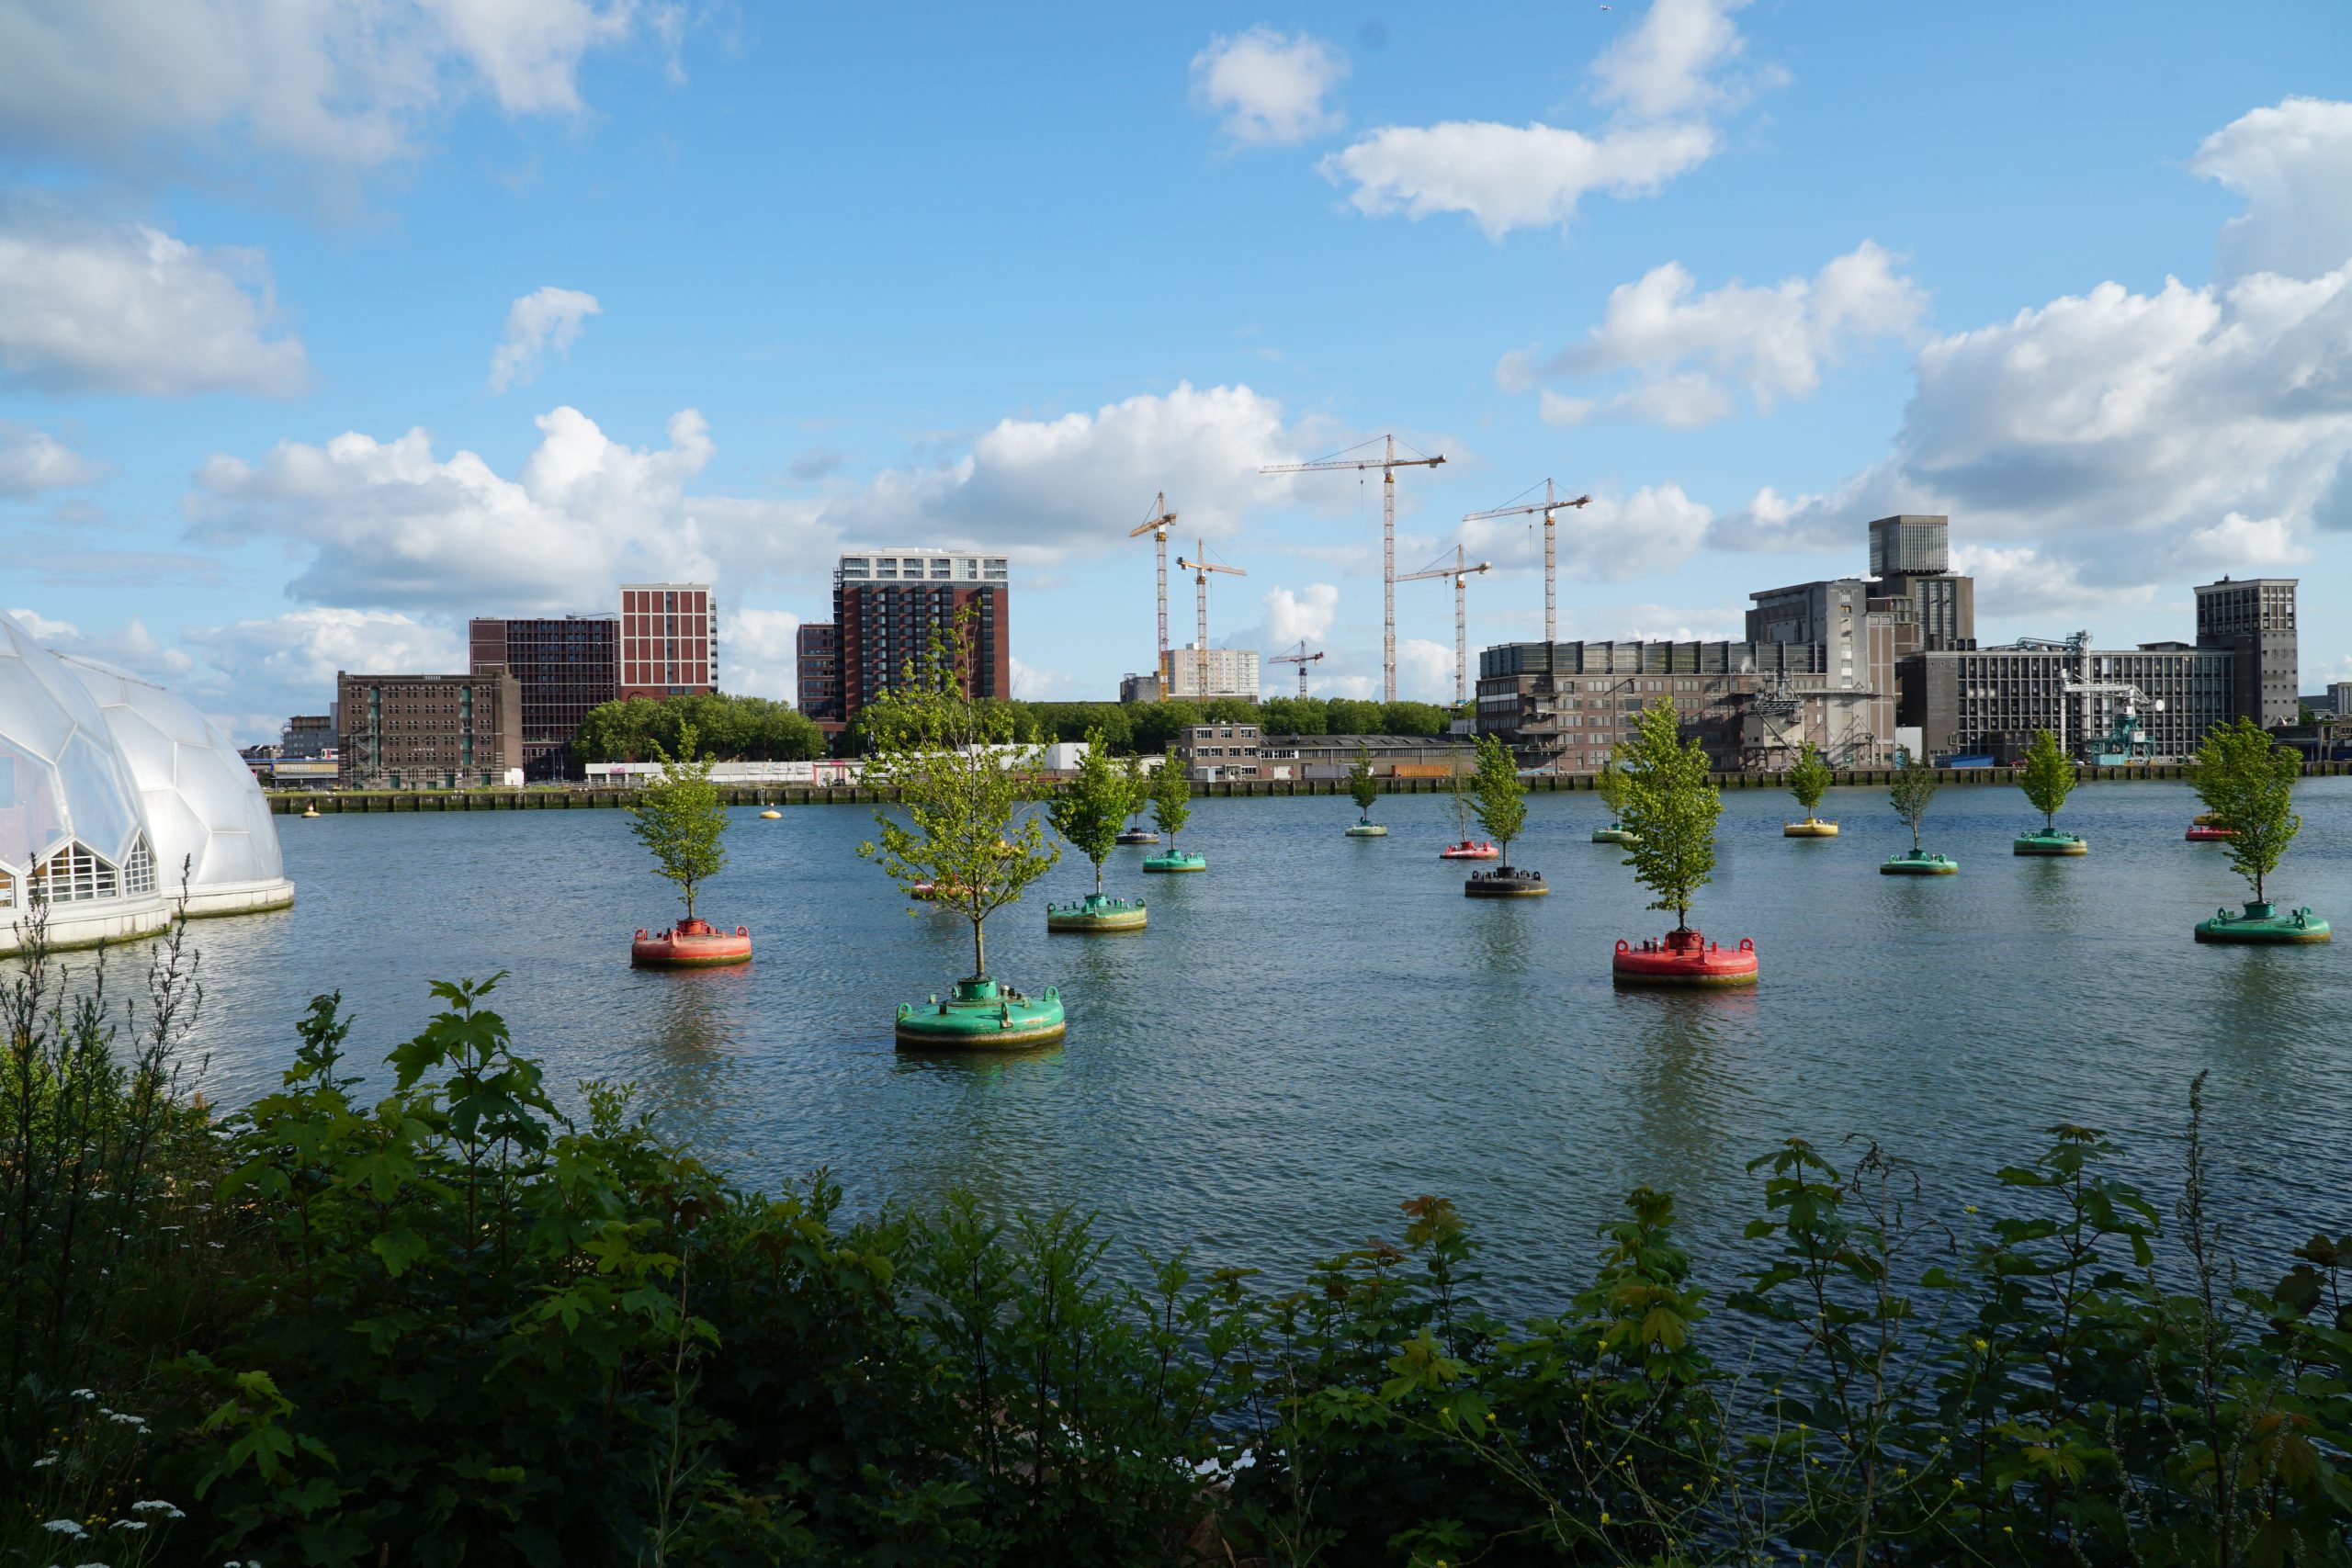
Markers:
point(207, 817)
point(72, 824)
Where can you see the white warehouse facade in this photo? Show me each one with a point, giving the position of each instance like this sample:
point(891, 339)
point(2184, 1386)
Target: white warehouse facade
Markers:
point(108, 786)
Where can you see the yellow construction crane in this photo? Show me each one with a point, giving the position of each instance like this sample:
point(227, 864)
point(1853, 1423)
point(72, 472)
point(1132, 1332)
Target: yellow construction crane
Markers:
point(1387, 463)
point(1201, 570)
point(1301, 658)
point(1156, 527)
point(1550, 579)
point(1461, 571)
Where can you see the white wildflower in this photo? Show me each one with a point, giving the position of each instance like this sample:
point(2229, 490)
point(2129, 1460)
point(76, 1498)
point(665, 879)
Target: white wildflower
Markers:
point(157, 1505)
point(65, 1526)
point(85, 1393)
point(45, 1461)
point(129, 1525)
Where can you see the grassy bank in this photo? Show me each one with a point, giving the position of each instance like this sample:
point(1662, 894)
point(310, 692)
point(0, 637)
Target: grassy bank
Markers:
point(415, 1313)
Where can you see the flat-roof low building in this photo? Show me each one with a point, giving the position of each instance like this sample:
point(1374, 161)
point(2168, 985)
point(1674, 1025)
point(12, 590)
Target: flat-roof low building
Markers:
point(1391, 756)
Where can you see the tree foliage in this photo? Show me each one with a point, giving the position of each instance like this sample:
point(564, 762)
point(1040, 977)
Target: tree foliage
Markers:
point(728, 728)
point(1914, 787)
point(2047, 778)
point(1810, 778)
point(1610, 784)
point(960, 789)
point(1671, 807)
point(1363, 787)
point(2247, 781)
point(1171, 798)
point(1501, 799)
point(680, 817)
point(1091, 807)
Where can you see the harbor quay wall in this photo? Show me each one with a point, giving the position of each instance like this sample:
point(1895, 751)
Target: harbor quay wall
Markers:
point(566, 798)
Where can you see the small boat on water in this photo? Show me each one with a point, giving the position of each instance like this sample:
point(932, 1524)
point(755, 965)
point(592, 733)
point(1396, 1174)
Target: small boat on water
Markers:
point(1469, 849)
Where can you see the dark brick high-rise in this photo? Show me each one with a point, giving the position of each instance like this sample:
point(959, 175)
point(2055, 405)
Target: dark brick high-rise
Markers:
point(888, 605)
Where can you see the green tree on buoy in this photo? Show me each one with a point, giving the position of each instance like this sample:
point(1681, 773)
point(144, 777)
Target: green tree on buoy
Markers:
point(1091, 807)
point(1138, 788)
point(1610, 784)
point(1171, 800)
point(1810, 779)
point(2247, 781)
point(945, 754)
point(1362, 786)
point(1500, 799)
point(1671, 807)
point(2047, 778)
point(680, 818)
point(1914, 787)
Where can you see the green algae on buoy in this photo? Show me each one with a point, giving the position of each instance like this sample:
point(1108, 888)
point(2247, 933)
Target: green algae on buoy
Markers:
point(1811, 828)
point(1505, 882)
point(1918, 863)
point(2051, 841)
point(1613, 834)
point(1176, 860)
point(2262, 923)
point(981, 1015)
point(1096, 913)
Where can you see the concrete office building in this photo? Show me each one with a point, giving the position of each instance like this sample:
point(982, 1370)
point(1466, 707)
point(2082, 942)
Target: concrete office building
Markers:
point(1390, 756)
point(1211, 752)
point(306, 738)
point(2254, 619)
point(1138, 688)
point(429, 732)
point(1219, 672)
point(816, 663)
point(1911, 558)
point(1564, 705)
point(564, 666)
point(888, 605)
point(667, 634)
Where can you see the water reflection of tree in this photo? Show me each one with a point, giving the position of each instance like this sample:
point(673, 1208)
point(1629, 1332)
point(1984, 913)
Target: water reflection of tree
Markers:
point(1681, 1044)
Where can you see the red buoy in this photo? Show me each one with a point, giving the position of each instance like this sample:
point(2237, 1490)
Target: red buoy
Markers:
point(2204, 833)
point(1684, 958)
point(1466, 849)
point(690, 944)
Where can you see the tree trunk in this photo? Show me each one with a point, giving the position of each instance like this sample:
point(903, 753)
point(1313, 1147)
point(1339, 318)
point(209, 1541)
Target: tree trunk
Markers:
point(979, 952)
point(690, 900)
point(1098, 879)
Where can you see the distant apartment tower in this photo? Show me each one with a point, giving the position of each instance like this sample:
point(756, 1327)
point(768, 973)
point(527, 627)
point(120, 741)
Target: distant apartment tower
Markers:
point(888, 605)
point(666, 633)
point(565, 665)
point(1219, 672)
point(2254, 619)
point(427, 731)
point(816, 658)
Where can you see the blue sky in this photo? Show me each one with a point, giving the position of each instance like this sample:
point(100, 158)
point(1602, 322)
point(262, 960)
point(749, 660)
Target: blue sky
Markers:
point(323, 327)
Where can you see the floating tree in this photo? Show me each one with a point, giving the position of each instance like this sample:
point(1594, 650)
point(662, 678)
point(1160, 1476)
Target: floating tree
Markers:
point(1171, 807)
point(1610, 784)
point(1671, 807)
point(2048, 778)
point(2247, 781)
point(1914, 787)
point(1501, 803)
point(1138, 787)
point(1088, 813)
point(960, 781)
point(1809, 780)
point(680, 818)
point(1365, 789)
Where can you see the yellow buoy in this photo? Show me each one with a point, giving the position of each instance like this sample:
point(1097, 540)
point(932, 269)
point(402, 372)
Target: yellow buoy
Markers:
point(771, 814)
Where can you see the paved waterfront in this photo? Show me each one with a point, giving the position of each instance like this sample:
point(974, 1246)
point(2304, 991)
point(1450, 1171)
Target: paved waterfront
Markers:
point(1321, 1026)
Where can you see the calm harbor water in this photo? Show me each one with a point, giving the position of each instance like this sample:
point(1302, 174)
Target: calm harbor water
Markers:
point(1320, 1027)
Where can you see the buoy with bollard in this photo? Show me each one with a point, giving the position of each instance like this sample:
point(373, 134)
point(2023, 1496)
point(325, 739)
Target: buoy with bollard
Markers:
point(1175, 861)
point(2049, 842)
point(1811, 828)
point(690, 944)
point(1470, 850)
point(2263, 924)
point(1096, 913)
point(1918, 863)
point(1505, 882)
point(1613, 834)
point(981, 1015)
point(1684, 958)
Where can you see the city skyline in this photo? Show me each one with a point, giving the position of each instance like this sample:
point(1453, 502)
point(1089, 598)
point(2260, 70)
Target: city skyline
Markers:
point(302, 369)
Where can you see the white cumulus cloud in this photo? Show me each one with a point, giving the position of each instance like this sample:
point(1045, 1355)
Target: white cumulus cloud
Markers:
point(545, 319)
point(759, 653)
point(1269, 87)
point(2292, 162)
point(1667, 80)
point(1680, 352)
point(91, 306)
point(1298, 615)
point(33, 460)
point(1612, 540)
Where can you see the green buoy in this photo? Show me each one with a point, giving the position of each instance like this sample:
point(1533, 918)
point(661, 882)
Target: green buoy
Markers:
point(1175, 860)
point(2263, 923)
point(1366, 828)
point(2049, 842)
point(1613, 834)
point(981, 1015)
point(1096, 913)
point(1918, 863)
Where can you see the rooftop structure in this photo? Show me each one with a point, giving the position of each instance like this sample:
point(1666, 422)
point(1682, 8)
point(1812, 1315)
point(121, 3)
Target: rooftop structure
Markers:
point(888, 605)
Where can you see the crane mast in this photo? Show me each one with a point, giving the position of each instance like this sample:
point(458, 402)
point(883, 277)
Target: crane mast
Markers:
point(1201, 570)
point(1301, 658)
point(1547, 506)
point(1461, 571)
point(1156, 527)
point(1387, 463)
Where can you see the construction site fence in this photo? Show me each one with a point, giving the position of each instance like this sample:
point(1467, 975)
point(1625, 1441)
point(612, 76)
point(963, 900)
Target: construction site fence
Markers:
point(561, 798)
